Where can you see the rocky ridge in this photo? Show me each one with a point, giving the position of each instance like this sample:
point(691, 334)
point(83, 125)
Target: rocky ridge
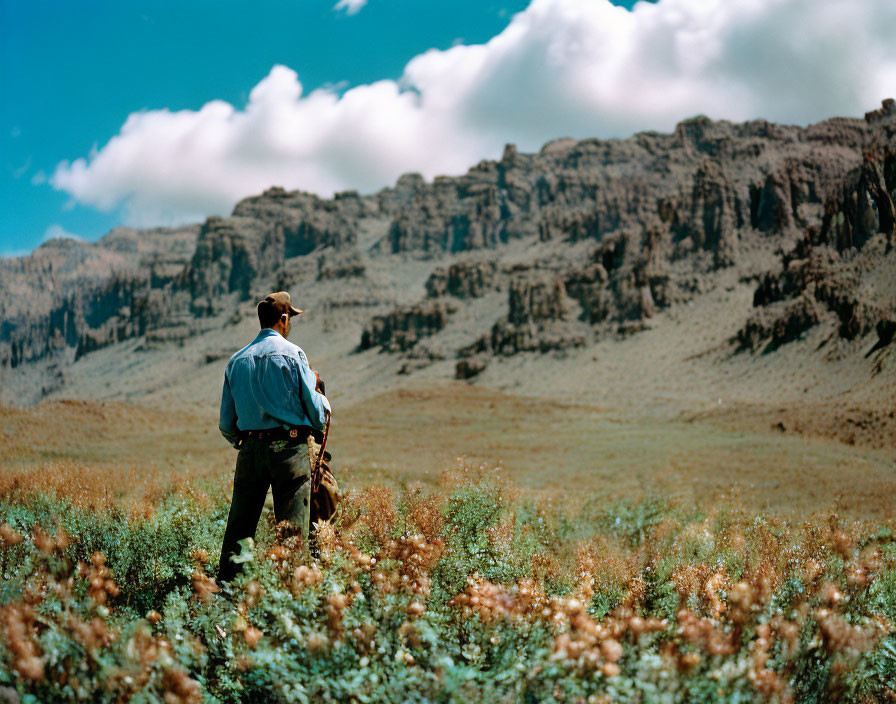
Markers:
point(841, 273)
point(581, 240)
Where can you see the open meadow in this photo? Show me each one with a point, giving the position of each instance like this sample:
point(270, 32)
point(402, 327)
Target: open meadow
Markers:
point(597, 558)
point(594, 302)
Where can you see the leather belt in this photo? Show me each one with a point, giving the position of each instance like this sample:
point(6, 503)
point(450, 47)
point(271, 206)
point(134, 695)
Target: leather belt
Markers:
point(270, 434)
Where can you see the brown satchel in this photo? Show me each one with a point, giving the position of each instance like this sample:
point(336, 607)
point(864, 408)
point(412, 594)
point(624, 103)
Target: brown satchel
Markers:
point(324, 488)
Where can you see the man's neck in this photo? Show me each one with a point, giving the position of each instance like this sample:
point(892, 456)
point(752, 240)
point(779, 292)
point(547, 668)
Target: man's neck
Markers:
point(277, 329)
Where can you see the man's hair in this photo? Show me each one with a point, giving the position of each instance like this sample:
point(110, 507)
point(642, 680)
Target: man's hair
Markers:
point(268, 315)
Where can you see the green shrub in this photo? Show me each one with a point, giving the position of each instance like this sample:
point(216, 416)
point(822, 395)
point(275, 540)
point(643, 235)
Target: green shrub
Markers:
point(479, 594)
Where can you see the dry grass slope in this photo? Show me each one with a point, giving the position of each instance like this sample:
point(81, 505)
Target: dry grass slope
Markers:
point(413, 434)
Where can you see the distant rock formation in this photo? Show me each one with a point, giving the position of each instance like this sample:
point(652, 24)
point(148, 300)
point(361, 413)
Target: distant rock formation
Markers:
point(464, 279)
point(69, 298)
point(537, 321)
point(843, 270)
point(583, 238)
point(341, 265)
point(401, 329)
point(663, 210)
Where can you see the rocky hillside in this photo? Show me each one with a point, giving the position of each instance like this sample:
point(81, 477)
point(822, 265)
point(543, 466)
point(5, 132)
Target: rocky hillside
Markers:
point(841, 273)
point(531, 253)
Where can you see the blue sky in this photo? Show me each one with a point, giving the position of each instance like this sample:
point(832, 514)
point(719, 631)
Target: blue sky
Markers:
point(73, 71)
point(148, 113)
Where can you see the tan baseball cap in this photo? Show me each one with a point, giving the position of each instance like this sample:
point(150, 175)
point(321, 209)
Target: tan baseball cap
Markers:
point(280, 302)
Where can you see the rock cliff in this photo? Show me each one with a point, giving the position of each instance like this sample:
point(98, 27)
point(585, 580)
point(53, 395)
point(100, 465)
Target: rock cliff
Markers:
point(582, 239)
point(843, 271)
point(661, 211)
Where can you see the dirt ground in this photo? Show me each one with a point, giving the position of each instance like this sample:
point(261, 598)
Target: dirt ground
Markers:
point(577, 450)
point(573, 451)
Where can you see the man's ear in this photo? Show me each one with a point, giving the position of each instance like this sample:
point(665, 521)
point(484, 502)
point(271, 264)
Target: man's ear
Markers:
point(284, 318)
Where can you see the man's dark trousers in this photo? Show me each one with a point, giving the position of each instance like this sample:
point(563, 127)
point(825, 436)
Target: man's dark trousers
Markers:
point(282, 465)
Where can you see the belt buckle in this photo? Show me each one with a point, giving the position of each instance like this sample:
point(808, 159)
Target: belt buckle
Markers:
point(293, 432)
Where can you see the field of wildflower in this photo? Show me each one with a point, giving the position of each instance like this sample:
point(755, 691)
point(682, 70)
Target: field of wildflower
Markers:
point(473, 591)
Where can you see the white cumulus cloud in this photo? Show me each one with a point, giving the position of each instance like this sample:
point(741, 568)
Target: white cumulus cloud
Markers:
point(351, 7)
point(561, 68)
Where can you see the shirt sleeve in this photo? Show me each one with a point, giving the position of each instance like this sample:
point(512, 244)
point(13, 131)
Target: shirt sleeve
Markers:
point(227, 423)
point(314, 405)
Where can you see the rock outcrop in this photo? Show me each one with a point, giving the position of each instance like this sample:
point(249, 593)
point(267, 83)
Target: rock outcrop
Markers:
point(467, 368)
point(348, 264)
point(538, 312)
point(604, 234)
point(401, 329)
point(69, 298)
point(843, 271)
point(464, 279)
point(708, 185)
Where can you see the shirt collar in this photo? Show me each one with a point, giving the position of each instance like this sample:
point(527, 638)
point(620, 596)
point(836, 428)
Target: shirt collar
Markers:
point(265, 333)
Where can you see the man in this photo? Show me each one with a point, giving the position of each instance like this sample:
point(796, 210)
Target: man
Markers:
point(269, 407)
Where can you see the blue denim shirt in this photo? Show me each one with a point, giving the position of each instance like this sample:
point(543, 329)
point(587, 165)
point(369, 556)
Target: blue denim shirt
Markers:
point(267, 384)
